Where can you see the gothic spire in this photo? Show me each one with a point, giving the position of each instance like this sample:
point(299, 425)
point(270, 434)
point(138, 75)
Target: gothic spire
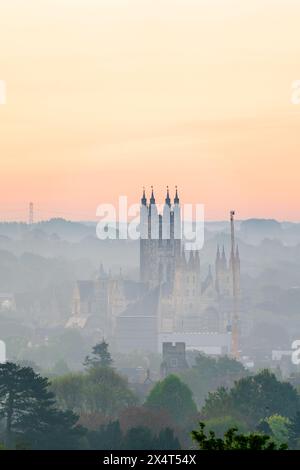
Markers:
point(223, 259)
point(144, 199)
point(176, 198)
point(168, 200)
point(152, 199)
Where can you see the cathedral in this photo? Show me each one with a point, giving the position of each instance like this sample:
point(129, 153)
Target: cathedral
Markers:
point(172, 297)
point(187, 301)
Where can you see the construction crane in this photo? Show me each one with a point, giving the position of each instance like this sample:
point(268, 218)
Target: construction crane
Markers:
point(235, 316)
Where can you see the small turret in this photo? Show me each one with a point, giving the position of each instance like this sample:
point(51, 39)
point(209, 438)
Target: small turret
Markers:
point(144, 199)
point(176, 198)
point(152, 199)
point(168, 200)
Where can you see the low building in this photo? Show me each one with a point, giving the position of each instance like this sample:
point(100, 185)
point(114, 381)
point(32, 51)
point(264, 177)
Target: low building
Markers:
point(173, 359)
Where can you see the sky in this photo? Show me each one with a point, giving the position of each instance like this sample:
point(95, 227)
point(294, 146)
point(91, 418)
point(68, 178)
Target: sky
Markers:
point(107, 96)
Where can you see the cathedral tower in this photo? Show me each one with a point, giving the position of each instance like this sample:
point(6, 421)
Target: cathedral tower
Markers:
point(160, 242)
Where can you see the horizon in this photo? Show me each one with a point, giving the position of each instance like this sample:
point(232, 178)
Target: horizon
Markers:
point(86, 221)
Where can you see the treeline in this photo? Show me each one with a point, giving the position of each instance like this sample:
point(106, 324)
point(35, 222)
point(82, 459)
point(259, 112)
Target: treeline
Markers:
point(97, 409)
point(82, 411)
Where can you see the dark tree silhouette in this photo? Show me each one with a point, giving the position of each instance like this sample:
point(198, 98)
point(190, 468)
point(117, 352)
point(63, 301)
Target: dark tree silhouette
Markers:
point(28, 410)
point(294, 431)
point(253, 399)
point(100, 356)
point(174, 396)
point(234, 441)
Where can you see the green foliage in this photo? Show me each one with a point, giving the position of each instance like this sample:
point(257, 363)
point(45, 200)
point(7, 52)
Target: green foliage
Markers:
point(221, 424)
point(139, 439)
point(218, 403)
point(99, 389)
point(100, 356)
point(110, 437)
point(107, 437)
point(69, 390)
point(279, 426)
point(28, 409)
point(166, 440)
point(253, 399)
point(233, 441)
point(294, 431)
point(208, 374)
point(173, 395)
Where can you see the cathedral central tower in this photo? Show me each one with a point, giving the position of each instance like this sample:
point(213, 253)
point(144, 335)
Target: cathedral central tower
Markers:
point(160, 241)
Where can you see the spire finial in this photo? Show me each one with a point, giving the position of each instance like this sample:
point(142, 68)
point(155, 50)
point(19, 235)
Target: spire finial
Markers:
point(144, 199)
point(176, 198)
point(168, 200)
point(152, 199)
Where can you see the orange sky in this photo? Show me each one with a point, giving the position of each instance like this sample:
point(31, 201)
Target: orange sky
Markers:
point(104, 97)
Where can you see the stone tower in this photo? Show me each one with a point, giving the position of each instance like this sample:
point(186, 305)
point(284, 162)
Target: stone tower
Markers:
point(160, 241)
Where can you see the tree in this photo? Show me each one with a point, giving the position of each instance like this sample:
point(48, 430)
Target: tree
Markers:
point(140, 438)
point(107, 391)
point(107, 437)
point(101, 356)
point(27, 407)
point(166, 440)
point(218, 404)
point(99, 389)
point(221, 424)
point(253, 399)
point(173, 395)
point(294, 431)
point(152, 418)
point(280, 427)
point(233, 441)
point(69, 391)
point(209, 374)
point(49, 428)
point(111, 437)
